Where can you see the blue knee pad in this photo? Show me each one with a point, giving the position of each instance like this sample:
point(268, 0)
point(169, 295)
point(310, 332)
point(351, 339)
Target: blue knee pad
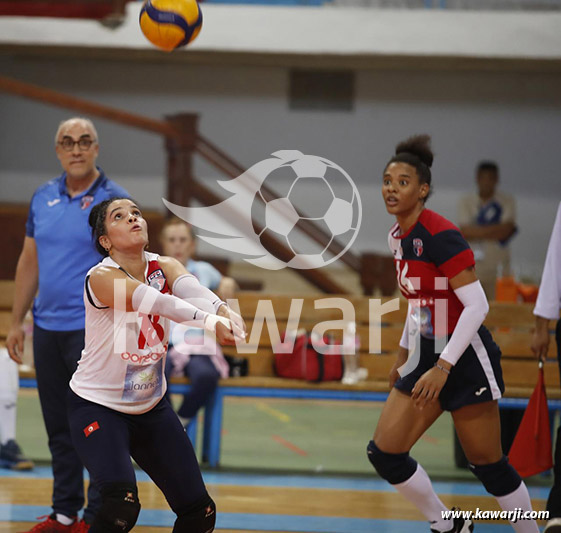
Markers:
point(393, 467)
point(499, 479)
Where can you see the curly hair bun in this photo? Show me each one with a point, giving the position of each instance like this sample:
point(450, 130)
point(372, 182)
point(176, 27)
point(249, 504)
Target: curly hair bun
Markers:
point(418, 145)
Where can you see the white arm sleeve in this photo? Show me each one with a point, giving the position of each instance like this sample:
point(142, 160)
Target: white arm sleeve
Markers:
point(404, 342)
point(549, 295)
point(187, 287)
point(150, 301)
point(475, 310)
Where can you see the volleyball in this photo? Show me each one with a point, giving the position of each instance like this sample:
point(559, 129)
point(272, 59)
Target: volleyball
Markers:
point(170, 24)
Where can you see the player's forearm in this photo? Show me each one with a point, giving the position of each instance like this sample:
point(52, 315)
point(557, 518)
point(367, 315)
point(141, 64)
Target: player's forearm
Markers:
point(404, 341)
point(474, 312)
point(402, 354)
point(542, 324)
point(150, 301)
point(26, 282)
point(497, 232)
point(502, 231)
point(472, 232)
point(188, 288)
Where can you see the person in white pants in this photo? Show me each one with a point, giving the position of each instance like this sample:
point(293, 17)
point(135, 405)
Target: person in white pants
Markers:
point(11, 455)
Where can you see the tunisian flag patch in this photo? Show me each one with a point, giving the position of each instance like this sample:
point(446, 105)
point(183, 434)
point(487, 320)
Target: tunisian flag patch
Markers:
point(88, 430)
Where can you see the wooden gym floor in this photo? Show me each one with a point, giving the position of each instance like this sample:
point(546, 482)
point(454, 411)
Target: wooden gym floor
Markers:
point(267, 503)
point(321, 482)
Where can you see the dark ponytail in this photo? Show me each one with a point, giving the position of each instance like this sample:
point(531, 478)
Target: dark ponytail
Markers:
point(416, 151)
point(96, 221)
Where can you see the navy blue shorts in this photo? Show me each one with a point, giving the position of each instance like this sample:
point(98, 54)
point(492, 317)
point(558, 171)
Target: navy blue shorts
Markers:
point(476, 378)
point(106, 439)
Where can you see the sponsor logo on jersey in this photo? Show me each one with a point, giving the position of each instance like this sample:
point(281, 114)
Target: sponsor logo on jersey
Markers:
point(94, 426)
point(143, 383)
point(157, 279)
point(418, 247)
point(50, 203)
point(426, 323)
point(86, 201)
point(144, 359)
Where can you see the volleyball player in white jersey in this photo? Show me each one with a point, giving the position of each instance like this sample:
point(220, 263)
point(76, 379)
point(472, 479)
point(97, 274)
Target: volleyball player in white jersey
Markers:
point(116, 408)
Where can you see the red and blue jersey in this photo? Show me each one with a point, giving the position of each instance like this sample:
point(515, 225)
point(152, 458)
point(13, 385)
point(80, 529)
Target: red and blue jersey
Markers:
point(426, 257)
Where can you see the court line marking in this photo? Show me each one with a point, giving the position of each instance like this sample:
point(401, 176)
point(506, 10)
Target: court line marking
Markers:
point(359, 483)
point(289, 445)
point(275, 413)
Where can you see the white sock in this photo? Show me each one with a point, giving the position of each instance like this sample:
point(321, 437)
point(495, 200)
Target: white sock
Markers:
point(9, 384)
point(64, 520)
point(519, 499)
point(418, 490)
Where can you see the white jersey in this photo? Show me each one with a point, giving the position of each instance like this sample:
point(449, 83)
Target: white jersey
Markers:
point(123, 361)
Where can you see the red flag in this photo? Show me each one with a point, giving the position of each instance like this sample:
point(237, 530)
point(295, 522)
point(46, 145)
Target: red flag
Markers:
point(530, 452)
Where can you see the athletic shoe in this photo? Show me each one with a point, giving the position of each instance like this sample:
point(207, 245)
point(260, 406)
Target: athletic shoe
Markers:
point(50, 525)
point(553, 526)
point(461, 525)
point(12, 457)
point(80, 527)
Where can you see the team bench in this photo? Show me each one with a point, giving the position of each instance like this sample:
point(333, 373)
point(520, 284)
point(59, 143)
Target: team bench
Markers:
point(510, 323)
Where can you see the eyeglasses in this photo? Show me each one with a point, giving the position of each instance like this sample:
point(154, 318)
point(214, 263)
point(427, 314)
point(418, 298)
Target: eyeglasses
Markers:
point(68, 143)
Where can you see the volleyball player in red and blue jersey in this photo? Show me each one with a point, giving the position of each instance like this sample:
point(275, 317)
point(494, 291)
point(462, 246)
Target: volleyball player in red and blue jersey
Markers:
point(447, 360)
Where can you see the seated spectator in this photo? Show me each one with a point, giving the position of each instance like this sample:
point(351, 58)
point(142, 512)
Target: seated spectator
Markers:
point(191, 353)
point(487, 220)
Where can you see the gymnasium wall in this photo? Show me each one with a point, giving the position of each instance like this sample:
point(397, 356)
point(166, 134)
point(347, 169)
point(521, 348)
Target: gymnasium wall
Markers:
point(513, 118)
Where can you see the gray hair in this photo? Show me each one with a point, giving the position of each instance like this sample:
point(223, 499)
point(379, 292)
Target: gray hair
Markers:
point(86, 121)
